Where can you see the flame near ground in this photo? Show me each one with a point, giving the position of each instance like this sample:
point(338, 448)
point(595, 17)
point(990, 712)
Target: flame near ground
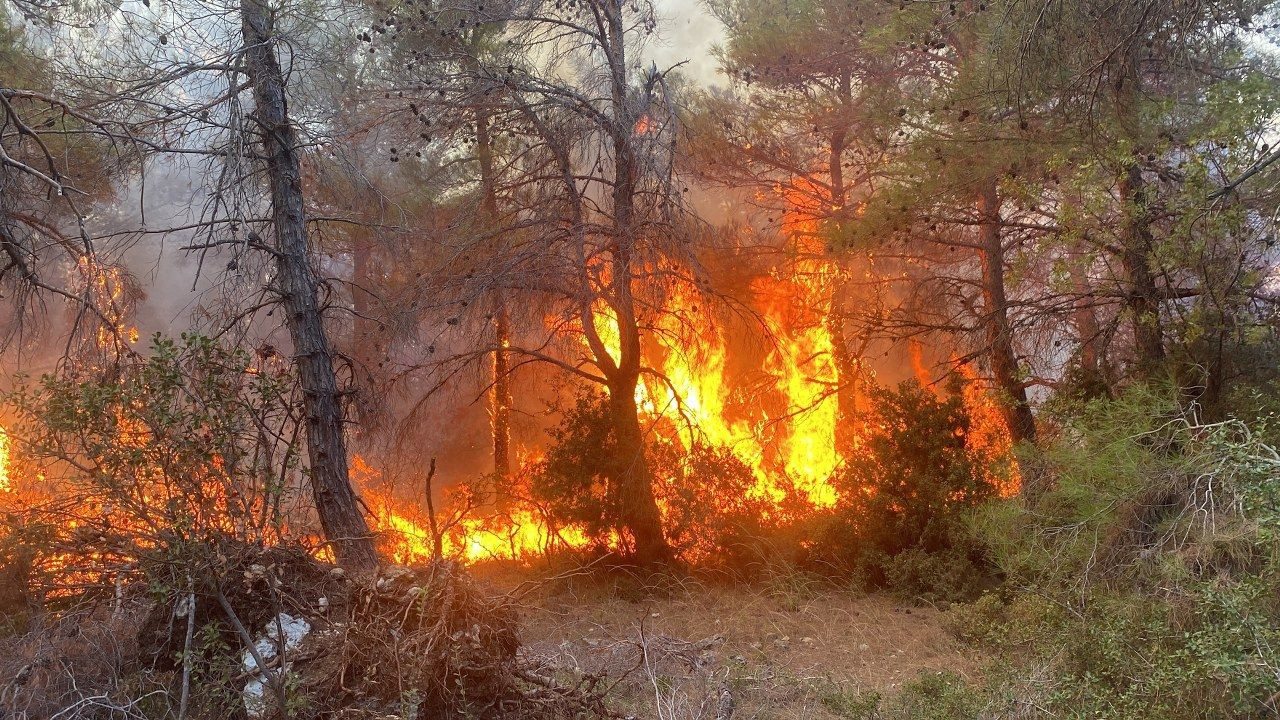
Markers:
point(792, 444)
point(793, 440)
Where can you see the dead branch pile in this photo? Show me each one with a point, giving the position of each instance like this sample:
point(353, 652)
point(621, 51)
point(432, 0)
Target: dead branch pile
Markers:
point(425, 642)
point(276, 633)
point(431, 641)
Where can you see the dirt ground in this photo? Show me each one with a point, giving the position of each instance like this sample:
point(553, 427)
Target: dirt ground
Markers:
point(787, 649)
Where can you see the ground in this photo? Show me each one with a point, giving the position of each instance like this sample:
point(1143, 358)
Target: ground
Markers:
point(790, 649)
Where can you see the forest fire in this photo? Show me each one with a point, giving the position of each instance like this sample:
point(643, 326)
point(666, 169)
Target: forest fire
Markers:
point(788, 430)
point(591, 359)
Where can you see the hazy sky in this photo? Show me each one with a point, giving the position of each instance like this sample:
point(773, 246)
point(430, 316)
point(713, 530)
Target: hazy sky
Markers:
point(687, 33)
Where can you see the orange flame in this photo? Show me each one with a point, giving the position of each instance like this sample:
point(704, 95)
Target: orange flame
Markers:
point(6, 485)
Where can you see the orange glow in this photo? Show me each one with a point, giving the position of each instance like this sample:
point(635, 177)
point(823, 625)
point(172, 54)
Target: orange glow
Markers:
point(781, 423)
point(405, 531)
point(106, 288)
point(6, 485)
point(989, 439)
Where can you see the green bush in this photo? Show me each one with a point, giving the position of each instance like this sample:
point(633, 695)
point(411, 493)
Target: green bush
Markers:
point(1144, 581)
point(935, 696)
point(905, 497)
point(930, 696)
point(708, 513)
point(148, 466)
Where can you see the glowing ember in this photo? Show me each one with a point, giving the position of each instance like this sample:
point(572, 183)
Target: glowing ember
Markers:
point(106, 287)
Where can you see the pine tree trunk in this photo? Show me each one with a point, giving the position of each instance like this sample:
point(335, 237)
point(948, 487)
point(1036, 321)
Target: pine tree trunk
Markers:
point(1136, 242)
point(847, 429)
point(500, 400)
point(639, 508)
point(344, 527)
point(1090, 358)
point(1004, 363)
point(635, 488)
point(1143, 297)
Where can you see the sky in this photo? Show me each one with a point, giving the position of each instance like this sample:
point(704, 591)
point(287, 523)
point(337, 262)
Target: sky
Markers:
point(687, 33)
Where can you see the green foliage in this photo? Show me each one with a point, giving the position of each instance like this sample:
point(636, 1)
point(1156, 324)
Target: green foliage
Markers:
point(703, 492)
point(574, 482)
point(930, 696)
point(1144, 580)
point(935, 696)
point(905, 495)
point(148, 466)
point(863, 705)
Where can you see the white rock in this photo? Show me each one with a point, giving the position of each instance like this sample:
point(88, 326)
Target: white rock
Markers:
point(257, 695)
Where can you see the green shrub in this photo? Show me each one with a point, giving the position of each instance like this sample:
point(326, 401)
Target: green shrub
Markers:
point(148, 466)
point(935, 696)
point(854, 705)
point(905, 497)
point(708, 512)
point(1144, 580)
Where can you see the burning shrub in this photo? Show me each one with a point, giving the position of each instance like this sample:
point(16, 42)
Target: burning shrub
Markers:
point(140, 471)
point(575, 479)
point(703, 492)
point(903, 496)
point(709, 510)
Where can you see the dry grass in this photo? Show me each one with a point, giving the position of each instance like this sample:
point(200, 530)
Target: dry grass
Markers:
point(789, 649)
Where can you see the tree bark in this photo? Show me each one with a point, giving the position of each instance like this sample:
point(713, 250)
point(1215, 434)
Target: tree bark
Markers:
point(1143, 297)
point(1090, 358)
point(343, 524)
point(635, 488)
point(847, 428)
point(1136, 241)
point(1004, 363)
point(500, 399)
point(640, 509)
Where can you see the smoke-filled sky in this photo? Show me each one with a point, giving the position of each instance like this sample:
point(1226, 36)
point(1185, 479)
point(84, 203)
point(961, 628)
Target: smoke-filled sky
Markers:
point(687, 34)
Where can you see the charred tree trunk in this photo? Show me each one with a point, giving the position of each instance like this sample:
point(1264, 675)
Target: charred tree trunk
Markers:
point(639, 507)
point(1004, 363)
point(635, 488)
point(500, 400)
point(344, 527)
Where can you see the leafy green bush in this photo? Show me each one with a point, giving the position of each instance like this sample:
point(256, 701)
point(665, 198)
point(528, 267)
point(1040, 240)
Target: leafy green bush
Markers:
point(703, 492)
point(935, 696)
point(904, 497)
point(930, 696)
point(144, 468)
point(1144, 581)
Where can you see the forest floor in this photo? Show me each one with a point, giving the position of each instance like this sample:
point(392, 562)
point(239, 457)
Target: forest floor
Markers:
point(784, 650)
